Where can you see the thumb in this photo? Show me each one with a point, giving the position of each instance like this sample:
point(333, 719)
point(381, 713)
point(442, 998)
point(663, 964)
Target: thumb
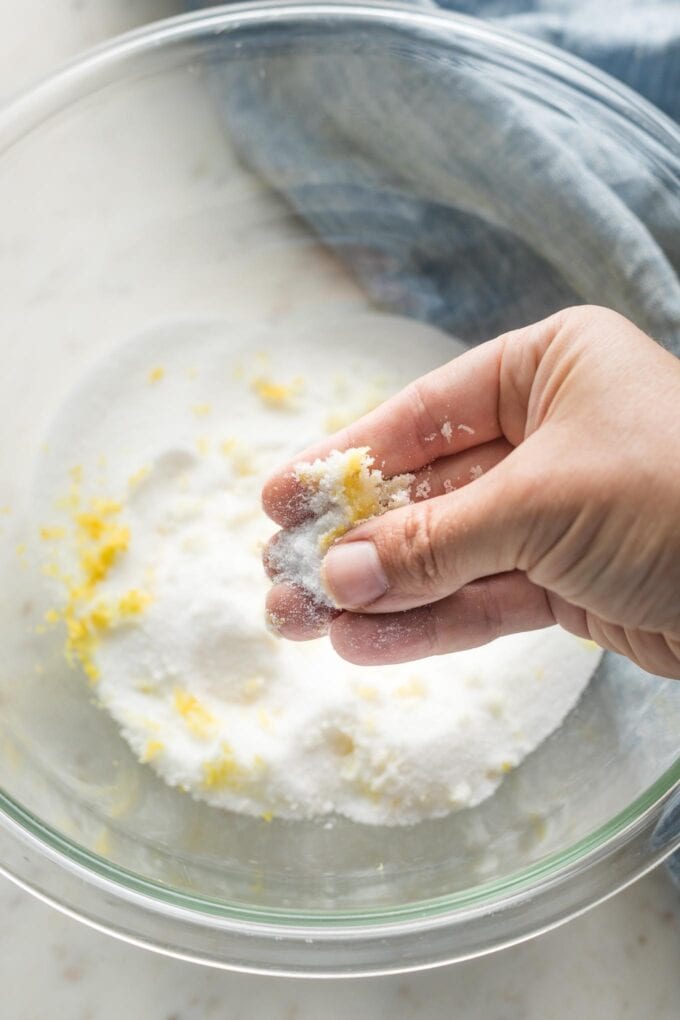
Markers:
point(423, 552)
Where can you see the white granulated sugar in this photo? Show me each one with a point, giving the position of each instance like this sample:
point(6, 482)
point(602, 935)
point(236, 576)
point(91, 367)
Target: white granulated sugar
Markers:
point(476, 471)
point(449, 486)
point(342, 490)
point(466, 428)
point(202, 693)
point(447, 431)
point(423, 489)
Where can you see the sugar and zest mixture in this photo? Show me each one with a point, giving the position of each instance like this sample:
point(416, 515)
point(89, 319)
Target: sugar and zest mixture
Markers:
point(342, 490)
point(152, 532)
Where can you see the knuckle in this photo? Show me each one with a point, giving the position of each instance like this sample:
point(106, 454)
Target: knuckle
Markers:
point(419, 563)
point(489, 610)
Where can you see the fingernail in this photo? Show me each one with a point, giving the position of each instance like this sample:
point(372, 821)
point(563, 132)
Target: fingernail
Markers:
point(353, 575)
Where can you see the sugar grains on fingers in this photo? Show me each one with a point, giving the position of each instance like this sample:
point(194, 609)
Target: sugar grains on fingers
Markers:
point(451, 409)
point(478, 613)
point(444, 476)
point(454, 472)
point(292, 613)
point(423, 552)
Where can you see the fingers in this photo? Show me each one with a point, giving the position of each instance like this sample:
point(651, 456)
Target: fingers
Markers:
point(448, 410)
point(425, 551)
point(450, 473)
point(446, 475)
point(472, 400)
point(293, 614)
point(478, 613)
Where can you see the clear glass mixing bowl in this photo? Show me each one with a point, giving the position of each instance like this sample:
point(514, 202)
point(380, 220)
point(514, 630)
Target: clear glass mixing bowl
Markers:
point(128, 196)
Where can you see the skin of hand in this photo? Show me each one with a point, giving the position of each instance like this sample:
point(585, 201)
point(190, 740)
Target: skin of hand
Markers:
point(552, 457)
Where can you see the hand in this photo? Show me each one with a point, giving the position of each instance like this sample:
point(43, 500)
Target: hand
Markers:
point(553, 496)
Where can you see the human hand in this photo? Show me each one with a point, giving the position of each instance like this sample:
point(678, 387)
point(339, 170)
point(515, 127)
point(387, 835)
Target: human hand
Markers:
point(551, 457)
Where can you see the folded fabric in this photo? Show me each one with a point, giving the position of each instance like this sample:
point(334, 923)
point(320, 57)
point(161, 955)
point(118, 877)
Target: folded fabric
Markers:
point(636, 41)
point(452, 198)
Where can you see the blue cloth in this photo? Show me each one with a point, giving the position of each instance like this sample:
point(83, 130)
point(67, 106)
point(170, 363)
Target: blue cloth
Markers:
point(457, 201)
point(636, 41)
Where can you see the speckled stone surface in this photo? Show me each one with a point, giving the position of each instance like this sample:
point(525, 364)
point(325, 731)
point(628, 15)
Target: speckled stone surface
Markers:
point(617, 962)
point(621, 960)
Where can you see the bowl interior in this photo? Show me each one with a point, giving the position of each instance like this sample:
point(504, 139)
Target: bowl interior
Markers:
point(310, 170)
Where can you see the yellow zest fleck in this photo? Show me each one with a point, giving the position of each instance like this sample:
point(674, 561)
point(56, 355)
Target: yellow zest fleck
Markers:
point(135, 479)
point(100, 539)
point(147, 687)
point(341, 743)
point(203, 445)
point(241, 458)
point(197, 718)
point(243, 466)
point(264, 719)
point(102, 845)
point(252, 688)
point(223, 772)
point(359, 494)
point(152, 749)
point(133, 602)
point(71, 501)
point(539, 826)
point(366, 692)
point(101, 617)
point(52, 533)
point(21, 550)
point(279, 396)
point(367, 790)
point(76, 474)
point(5, 510)
point(201, 410)
point(267, 816)
point(97, 563)
point(156, 374)
point(413, 688)
point(93, 523)
point(506, 766)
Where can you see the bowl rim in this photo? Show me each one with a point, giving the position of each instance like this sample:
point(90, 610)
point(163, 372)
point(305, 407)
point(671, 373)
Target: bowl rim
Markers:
point(618, 842)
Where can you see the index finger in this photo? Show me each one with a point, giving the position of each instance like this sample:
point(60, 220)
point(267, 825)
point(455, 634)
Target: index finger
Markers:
point(449, 410)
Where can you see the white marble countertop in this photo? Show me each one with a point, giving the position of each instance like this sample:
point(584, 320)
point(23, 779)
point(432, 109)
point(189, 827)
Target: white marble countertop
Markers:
point(619, 960)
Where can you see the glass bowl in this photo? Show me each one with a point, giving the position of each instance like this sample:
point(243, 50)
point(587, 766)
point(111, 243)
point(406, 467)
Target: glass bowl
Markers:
point(317, 162)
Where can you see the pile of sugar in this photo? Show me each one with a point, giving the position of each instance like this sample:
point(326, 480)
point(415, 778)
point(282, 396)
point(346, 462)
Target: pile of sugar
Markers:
point(342, 490)
point(163, 604)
